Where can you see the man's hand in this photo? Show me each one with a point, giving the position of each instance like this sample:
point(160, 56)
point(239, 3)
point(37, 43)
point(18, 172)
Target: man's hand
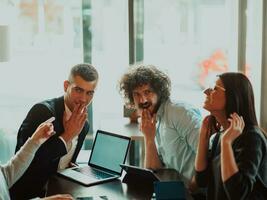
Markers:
point(44, 131)
point(148, 125)
point(74, 125)
point(71, 164)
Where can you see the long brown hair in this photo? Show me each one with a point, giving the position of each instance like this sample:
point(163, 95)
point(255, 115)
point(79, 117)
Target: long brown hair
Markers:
point(239, 97)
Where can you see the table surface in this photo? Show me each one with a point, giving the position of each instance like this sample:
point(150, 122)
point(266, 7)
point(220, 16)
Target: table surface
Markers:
point(111, 190)
point(115, 189)
point(122, 126)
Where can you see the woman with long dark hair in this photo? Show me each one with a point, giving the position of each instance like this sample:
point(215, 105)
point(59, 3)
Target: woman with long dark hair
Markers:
point(232, 152)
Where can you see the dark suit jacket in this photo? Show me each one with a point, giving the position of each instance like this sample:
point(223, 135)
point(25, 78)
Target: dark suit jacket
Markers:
point(45, 162)
point(250, 182)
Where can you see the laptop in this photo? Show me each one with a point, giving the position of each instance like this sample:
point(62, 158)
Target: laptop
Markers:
point(108, 152)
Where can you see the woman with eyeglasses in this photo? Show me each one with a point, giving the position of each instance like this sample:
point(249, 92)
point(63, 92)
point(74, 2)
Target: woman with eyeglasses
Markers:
point(231, 160)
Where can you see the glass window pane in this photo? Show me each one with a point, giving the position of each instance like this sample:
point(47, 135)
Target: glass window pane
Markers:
point(253, 48)
point(46, 41)
point(192, 41)
point(109, 55)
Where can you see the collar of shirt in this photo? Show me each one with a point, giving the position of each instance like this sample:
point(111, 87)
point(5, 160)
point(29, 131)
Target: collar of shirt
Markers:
point(160, 111)
point(160, 114)
point(68, 112)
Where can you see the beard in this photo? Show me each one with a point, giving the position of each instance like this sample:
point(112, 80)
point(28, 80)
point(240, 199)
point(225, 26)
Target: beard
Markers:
point(145, 105)
point(148, 105)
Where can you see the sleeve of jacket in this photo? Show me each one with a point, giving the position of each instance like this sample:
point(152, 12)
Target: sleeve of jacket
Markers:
point(38, 114)
point(202, 178)
point(53, 147)
point(18, 164)
point(248, 159)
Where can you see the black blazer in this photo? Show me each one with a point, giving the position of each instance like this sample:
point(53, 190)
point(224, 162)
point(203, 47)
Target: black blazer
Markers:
point(250, 182)
point(45, 162)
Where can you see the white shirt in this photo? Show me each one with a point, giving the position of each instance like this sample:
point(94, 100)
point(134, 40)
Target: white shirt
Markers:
point(70, 147)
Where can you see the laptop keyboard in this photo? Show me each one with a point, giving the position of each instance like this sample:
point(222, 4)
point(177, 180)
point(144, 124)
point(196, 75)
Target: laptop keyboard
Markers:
point(93, 173)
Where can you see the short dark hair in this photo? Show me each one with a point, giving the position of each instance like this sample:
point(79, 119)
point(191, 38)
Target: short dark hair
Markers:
point(239, 97)
point(86, 71)
point(142, 75)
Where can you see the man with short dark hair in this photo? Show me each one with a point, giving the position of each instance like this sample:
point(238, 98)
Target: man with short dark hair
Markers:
point(70, 125)
point(170, 129)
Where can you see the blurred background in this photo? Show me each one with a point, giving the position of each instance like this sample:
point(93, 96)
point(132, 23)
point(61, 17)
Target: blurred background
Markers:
point(191, 40)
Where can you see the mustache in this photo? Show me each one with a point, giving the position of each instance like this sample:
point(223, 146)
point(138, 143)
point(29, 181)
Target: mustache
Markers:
point(144, 105)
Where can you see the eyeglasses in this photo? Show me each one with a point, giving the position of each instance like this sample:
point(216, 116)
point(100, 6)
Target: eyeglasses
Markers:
point(209, 90)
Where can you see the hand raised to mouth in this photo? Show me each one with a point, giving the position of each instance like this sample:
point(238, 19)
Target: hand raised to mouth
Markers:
point(144, 105)
point(148, 125)
point(74, 125)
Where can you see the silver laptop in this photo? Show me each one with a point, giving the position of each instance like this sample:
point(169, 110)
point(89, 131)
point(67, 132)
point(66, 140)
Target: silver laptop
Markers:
point(108, 152)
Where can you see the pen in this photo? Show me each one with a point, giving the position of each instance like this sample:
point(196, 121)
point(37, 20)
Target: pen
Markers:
point(50, 120)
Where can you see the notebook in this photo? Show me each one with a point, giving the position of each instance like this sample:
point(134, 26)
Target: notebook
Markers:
point(108, 152)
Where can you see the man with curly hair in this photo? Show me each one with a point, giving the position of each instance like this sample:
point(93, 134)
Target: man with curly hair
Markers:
point(170, 128)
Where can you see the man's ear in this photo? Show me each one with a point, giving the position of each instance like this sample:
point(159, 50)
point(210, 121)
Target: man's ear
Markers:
point(66, 85)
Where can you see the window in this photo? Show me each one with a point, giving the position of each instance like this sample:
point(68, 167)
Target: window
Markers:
point(254, 48)
point(46, 41)
point(109, 30)
point(191, 40)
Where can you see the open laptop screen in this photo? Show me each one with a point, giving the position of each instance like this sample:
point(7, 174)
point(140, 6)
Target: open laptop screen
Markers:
point(109, 151)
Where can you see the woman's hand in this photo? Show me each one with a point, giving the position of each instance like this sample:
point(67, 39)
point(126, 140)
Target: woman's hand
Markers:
point(207, 128)
point(235, 129)
point(228, 163)
point(44, 131)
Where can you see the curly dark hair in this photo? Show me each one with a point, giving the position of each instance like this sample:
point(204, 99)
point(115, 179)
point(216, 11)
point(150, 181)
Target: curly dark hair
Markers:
point(142, 75)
